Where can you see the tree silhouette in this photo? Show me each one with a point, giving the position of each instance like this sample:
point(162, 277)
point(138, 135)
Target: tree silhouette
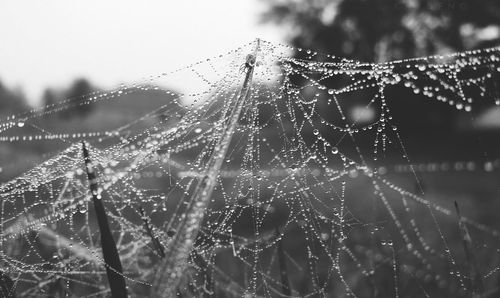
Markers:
point(49, 98)
point(77, 93)
point(383, 30)
point(11, 102)
point(379, 30)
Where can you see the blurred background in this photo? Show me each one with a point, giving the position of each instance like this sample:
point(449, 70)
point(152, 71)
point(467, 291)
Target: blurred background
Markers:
point(57, 49)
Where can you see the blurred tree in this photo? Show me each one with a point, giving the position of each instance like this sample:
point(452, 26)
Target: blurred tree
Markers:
point(49, 98)
point(77, 93)
point(11, 102)
point(382, 30)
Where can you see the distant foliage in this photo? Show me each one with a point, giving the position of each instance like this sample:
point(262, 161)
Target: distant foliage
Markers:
point(383, 30)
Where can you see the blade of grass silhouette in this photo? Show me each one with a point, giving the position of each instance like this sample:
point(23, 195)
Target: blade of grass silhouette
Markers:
point(476, 282)
point(285, 281)
point(158, 247)
point(110, 252)
point(206, 270)
point(7, 286)
point(171, 268)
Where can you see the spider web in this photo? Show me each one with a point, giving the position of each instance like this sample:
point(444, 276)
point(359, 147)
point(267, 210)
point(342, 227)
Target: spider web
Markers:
point(305, 203)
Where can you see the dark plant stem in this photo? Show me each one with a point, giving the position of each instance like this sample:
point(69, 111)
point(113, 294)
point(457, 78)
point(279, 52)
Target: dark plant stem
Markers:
point(158, 247)
point(110, 252)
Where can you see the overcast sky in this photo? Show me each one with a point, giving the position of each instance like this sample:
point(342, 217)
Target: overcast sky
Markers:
point(51, 42)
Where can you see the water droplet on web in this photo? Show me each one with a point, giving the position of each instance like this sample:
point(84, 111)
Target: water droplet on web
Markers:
point(300, 165)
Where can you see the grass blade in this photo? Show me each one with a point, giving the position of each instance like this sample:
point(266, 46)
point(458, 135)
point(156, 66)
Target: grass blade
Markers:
point(476, 282)
point(158, 247)
point(110, 252)
point(172, 267)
